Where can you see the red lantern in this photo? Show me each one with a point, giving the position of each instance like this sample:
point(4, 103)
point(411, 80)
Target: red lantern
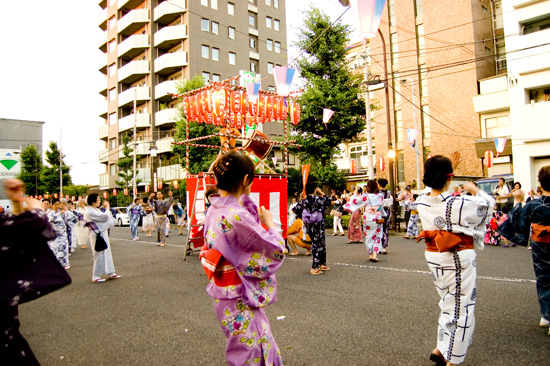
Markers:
point(80, 197)
point(40, 197)
point(220, 100)
point(72, 198)
point(275, 107)
point(237, 120)
point(236, 101)
point(488, 158)
point(282, 109)
point(159, 185)
point(55, 195)
point(125, 191)
point(382, 164)
point(430, 156)
point(105, 194)
point(135, 191)
point(269, 107)
point(114, 192)
point(353, 166)
point(244, 104)
point(187, 107)
point(175, 183)
point(67, 197)
point(206, 102)
point(295, 113)
point(260, 105)
point(147, 189)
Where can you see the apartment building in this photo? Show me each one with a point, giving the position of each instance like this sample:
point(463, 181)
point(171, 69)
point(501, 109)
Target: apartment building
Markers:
point(150, 45)
point(516, 104)
point(441, 49)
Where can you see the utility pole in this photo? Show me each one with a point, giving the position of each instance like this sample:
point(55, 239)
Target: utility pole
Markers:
point(60, 167)
point(370, 158)
point(134, 187)
point(417, 153)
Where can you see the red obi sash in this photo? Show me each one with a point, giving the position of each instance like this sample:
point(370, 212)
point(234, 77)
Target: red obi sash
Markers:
point(541, 233)
point(444, 241)
point(217, 267)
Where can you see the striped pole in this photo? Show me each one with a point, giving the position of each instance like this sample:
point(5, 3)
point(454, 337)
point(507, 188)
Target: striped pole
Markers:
point(285, 123)
point(187, 146)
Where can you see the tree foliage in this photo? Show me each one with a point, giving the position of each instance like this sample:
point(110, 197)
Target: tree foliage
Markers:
point(328, 84)
point(200, 158)
point(78, 190)
point(50, 173)
point(31, 169)
point(126, 164)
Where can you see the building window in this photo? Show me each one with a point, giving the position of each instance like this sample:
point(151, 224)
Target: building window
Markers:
point(232, 58)
point(541, 23)
point(205, 51)
point(206, 76)
point(214, 4)
point(230, 8)
point(112, 169)
point(112, 46)
point(423, 81)
point(355, 152)
point(269, 45)
point(215, 54)
point(394, 49)
point(420, 40)
point(276, 4)
point(268, 2)
point(398, 126)
point(497, 127)
point(204, 2)
point(391, 11)
point(215, 27)
point(418, 7)
point(400, 166)
point(425, 109)
point(269, 68)
point(271, 88)
point(253, 67)
point(251, 20)
point(276, 24)
point(277, 47)
point(215, 77)
point(268, 21)
point(231, 32)
point(112, 69)
point(112, 22)
point(112, 94)
point(252, 43)
point(205, 25)
point(112, 144)
point(112, 119)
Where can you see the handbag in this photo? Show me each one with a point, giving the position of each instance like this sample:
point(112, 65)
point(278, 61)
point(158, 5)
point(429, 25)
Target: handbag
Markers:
point(335, 213)
point(380, 221)
point(100, 243)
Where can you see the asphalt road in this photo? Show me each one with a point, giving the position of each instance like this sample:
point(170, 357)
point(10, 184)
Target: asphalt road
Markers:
point(359, 313)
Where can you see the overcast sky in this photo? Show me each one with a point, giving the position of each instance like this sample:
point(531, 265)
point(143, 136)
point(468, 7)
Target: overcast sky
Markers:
point(49, 71)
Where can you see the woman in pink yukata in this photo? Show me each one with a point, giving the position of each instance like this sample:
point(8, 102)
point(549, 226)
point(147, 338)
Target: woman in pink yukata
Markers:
point(240, 258)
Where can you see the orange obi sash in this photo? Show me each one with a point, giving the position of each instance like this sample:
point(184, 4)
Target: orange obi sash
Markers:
point(444, 241)
point(541, 233)
point(217, 267)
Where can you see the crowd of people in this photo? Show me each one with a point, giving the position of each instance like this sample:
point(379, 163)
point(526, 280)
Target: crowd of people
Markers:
point(243, 249)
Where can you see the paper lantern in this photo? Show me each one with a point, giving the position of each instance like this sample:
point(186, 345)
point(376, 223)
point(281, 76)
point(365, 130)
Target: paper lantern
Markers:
point(382, 164)
point(67, 197)
point(175, 183)
point(55, 195)
point(236, 101)
point(275, 108)
point(206, 101)
point(244, 104)
point(125, 191)
point(368, 14)
point(274, 160)
point(40, 197)
point(280, 109)
point(252, 89)
point(238, 120)
point(220, 100)
point(105, 195)
point(186, 107)
point(283, 79)
point(500, 144)
point(72, 198)
point(294, 113)
point(159, 184)
point(488, 158)
point(353, 168)
point(260, 105)
point(430, 156)
point(147, 188)
point(135, 191)
point(114, 192)
point(412, 135)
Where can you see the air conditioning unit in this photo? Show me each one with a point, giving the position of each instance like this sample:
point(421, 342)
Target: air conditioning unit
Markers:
point(501, 64)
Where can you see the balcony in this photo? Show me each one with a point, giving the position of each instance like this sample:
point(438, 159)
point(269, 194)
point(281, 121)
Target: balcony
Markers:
point(163, 89)
point(170, 172)
point(133, 71)
point(254, 55)
point(170, 36)
point(142, 120)
point(166, 116)
point(168, 11)
point(103, 64)
point(493, 95)
point(170, 62)
point(103, 132)
point(133, 21)
point(165, 145)
point(128, 4)
point(253, 8)
point(102, 19)
point(253, 31)
point(144, 175)
point(139, 93)
point(133, 46)
point(103, 156)
point(104, 181)
point(102, 4)
point(103, 85)
point(103, 42)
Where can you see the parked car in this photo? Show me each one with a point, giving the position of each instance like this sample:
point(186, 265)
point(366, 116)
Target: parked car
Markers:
point(489, 184)
point(122, 218)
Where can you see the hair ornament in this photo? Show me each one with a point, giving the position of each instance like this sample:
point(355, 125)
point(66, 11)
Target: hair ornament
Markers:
point(221, 167)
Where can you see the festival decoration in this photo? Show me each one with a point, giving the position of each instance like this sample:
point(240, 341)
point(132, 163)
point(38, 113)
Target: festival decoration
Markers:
point(412, 135)
point(294, 113)
point(159, 184)
point(305, 175)
point(176, 184)
point(72, 198)
point(488, 158)
point(114, 192)
point(274, 159)
point(105, 195)
point(353, 168)
point(55, 195)
point(135, 191)
point(253, 89)
point(382, 164)
point(500, 144)
point(368, 14)
point(283, 79)
point(430, 156)
point(147, 188)
point(327, 114)
point(125, 191)
point(67, 197)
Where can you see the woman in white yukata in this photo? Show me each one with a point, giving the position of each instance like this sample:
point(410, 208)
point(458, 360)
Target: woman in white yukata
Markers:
point(240, 258)
point(453, 226)
point(98, 223)
point(82, 233)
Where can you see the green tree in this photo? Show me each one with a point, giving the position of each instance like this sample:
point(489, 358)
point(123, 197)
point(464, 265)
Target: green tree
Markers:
point(31, 168)
point(328, 84)
point(50, 173)
point(76, 190)
point(126, 165)
point(200, 158)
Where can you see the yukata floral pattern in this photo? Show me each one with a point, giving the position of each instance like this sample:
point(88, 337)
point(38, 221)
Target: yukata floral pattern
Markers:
point(372, 230)
point(61, 221)
point(233, 228)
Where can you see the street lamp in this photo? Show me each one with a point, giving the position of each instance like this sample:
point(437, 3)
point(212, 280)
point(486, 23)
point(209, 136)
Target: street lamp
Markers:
point(153, 151)
point(417, 153)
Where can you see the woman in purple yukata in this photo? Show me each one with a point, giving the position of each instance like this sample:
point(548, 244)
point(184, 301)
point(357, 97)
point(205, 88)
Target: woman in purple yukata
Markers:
point(241, 258)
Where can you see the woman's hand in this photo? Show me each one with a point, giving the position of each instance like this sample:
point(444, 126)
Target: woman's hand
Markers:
point(471, 188)
point(266, 218)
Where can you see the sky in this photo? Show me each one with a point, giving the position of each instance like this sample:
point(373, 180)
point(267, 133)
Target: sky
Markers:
point(49, 71)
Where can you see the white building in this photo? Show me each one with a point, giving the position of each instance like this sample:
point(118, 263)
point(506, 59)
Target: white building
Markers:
point(517, 104)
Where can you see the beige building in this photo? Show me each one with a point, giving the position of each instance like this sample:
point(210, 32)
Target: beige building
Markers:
point(443, 48)
point(150, 45)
